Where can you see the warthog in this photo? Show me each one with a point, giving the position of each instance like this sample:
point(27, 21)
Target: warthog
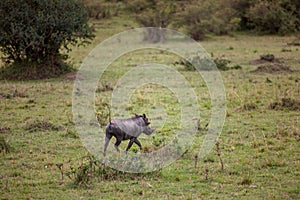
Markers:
point(127, 129)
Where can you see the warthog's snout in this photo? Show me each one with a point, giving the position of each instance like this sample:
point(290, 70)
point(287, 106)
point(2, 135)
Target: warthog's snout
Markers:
point(148, 130)
point(127, 129)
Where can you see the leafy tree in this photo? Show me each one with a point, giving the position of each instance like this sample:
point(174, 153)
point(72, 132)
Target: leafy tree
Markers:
point(153, 13)
point(275, 16)
point(241, 8)
point(34, 31)
point(219, 17)
point(102, 9)
point(208, 16)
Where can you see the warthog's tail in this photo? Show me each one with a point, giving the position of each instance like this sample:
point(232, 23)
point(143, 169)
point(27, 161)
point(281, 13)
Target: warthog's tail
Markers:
point(108, 128)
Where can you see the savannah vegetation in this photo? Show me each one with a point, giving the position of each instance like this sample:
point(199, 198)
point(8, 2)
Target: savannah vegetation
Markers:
point(32, 34)
point(256, 157)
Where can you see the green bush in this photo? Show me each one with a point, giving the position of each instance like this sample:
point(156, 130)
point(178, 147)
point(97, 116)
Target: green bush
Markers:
point(102, 9)
point(206, 64)
point(153, 13)
point(4, 145)
point(274, 17)
point(200, 18)
point(34, 31)
point(219, 17)
point(222, 64)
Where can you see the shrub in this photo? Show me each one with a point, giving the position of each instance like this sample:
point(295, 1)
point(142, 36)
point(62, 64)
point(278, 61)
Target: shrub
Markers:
point(199, 18)
point(153, 13)
point(41, 125)
point(274, 17)
point(103, 112)
point(102, 9)
point(33, 31)
point(206, 64)
point(4, 145)
point(268, 57)
point(222, 64)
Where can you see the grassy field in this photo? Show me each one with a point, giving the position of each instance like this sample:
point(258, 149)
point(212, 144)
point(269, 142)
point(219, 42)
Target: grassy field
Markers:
point(259, 145)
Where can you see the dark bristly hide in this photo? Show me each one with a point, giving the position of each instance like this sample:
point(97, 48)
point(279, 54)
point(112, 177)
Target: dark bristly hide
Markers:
point(127, 129)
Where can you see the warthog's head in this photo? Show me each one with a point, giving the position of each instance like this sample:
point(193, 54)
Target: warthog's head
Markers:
point(145, 124)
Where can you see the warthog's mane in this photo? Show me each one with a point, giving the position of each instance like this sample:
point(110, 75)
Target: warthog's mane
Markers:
point(138, 119)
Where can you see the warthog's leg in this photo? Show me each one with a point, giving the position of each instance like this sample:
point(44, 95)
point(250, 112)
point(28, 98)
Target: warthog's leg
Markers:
point(130, 144)
point(138, 143)
point(118, 142)
point(107, 139)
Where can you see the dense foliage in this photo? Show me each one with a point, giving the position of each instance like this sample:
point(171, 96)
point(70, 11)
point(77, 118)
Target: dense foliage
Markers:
point(275, 16)
point(199, 18)
point(33, 31)
point(219, 17)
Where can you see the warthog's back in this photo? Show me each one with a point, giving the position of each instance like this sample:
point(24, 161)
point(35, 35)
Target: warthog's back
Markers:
point(126, 126)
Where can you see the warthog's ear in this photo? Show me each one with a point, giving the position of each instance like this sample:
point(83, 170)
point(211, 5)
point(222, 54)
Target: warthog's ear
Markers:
point(136, 115)
point(145, 119)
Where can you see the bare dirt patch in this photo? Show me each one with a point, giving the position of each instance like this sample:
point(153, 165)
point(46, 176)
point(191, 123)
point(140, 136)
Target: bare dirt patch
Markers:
point(41, 125)
point(72, 76)
point(14, 93)
point(273, 68)
point(4, 130)
point(295, 42)
point(271, 65)
point(285, 104)
point(2, 96)
point(268, 58)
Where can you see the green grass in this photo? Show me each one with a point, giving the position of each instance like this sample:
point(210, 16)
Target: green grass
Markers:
point(259, 146)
